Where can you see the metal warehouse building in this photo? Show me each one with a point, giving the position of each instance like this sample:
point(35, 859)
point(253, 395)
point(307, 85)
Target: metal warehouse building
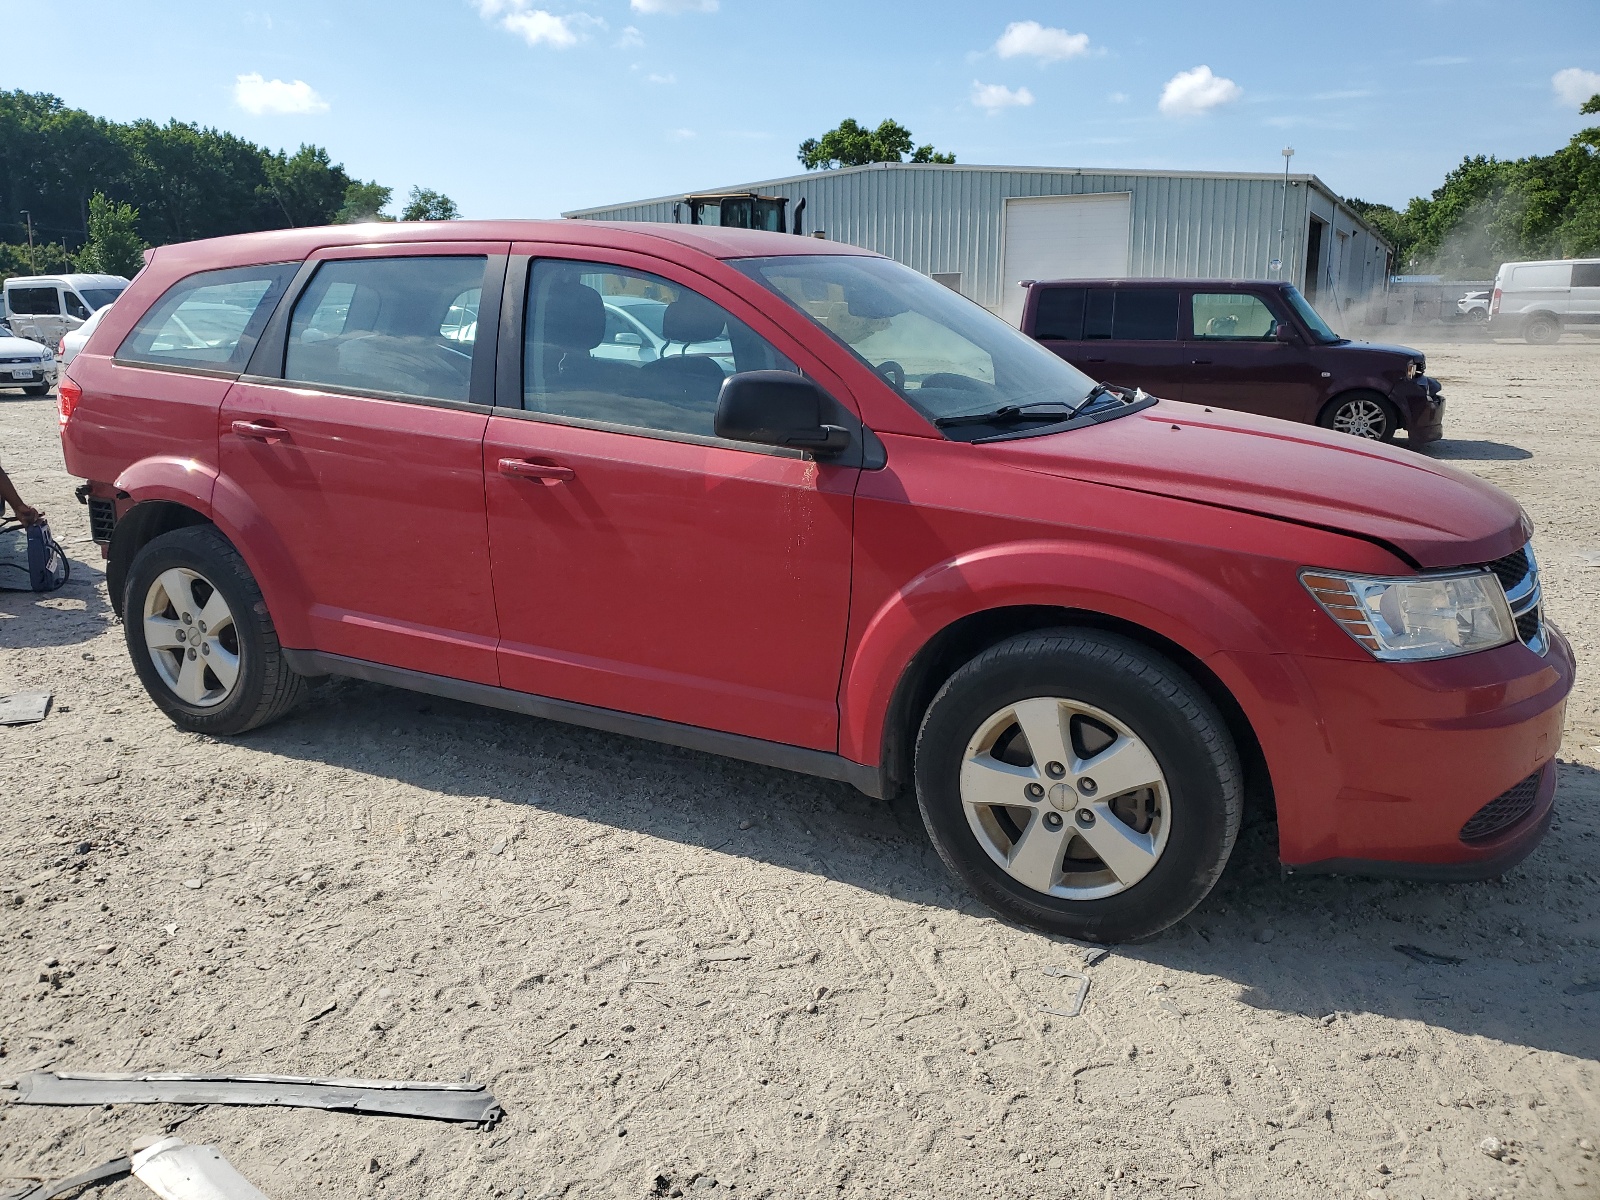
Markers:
point(982, 230)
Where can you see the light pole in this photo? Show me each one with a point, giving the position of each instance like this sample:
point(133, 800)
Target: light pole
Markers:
point(1283, 206)
point(33, 263)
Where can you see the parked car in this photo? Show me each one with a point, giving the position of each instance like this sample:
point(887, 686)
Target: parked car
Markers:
point(1251, 346)
point(1537, 300)
point(27, 365)
point(1081, 623)
point(74, 339)
point(44, 307)
point(1474, 306)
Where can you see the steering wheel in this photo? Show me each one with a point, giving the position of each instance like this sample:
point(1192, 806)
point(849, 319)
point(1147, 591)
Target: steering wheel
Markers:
point(893, 372)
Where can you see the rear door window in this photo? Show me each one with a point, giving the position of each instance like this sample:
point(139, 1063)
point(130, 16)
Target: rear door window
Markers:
point(1145, 315)
point(209, 321)
point(1097, 307)
point(396, 326)
point(1231, 317)
point(34, 301)
point(1058, 314)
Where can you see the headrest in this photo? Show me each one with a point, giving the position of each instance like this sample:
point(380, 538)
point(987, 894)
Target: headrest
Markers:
point(574, 317)
point(692, 318)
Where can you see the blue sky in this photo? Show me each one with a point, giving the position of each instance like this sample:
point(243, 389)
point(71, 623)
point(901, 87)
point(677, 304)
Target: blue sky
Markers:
point(528, 107)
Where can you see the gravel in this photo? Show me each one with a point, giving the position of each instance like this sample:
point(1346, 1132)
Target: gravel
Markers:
point(399, 886)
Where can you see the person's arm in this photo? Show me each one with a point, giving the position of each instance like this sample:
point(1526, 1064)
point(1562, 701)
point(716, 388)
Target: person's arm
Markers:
point(8, 492)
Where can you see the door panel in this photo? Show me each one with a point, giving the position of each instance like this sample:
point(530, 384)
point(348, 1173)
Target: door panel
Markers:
point(641, 564)
point(1235, 362)
point(380, 505)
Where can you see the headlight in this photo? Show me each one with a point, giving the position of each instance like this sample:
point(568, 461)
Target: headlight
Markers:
point(1416, 367)
point(1417, 617)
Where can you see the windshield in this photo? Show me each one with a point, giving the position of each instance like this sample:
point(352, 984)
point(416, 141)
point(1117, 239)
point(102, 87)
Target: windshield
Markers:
point(98, 298)
point(1313, 319)
point(943, 353)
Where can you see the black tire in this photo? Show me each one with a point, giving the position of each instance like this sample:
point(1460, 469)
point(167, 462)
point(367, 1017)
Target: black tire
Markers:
point(1541, 330)
point(1160, 704)
point(1477, 315)
point(265, 687)
point(1357, 410)
point(36, 389)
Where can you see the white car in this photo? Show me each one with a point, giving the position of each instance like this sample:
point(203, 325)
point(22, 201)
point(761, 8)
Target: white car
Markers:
point(44, 307)
point(1538, 300)
point(26, 365)
point(73, 340)
point(1474, 306)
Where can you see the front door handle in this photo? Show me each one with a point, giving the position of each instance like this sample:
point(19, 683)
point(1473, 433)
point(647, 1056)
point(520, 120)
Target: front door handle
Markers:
point(1199, 362)
point(260, 431)
point(522, 468)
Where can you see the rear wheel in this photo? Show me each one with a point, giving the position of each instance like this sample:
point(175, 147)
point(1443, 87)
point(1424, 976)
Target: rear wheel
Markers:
point(1361, 414)
point(1080, 784)
point(1542, 331)
point(201, 638)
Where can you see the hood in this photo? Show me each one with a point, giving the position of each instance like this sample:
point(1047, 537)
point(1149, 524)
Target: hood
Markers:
point(1432, 513)
point(1383, 348)
point(16, 345)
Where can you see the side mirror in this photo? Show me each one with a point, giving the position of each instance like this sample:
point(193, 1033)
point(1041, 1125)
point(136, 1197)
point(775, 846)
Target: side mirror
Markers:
point(627, 339)
point(777, 408)
point(1285, 333)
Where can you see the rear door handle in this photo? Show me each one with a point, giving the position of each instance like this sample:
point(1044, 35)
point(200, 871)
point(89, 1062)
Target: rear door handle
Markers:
point(1199, 362)
point(522, 468)
point(260, 431)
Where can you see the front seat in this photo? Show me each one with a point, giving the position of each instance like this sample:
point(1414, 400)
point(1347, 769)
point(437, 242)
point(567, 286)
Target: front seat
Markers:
point(682, 377)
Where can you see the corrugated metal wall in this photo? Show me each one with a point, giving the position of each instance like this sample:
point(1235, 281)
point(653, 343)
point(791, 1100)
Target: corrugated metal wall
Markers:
point(947, 219)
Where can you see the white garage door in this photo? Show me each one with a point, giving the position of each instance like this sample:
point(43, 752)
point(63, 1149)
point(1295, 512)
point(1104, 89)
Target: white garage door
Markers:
point(1062, 237)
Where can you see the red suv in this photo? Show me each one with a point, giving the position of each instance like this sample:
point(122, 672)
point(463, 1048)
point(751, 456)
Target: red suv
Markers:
point(837, 519)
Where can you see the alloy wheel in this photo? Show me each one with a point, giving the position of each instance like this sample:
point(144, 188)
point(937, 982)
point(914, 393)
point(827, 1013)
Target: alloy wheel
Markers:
point(1362, 418)
point(1065, 798)
point(190, 635)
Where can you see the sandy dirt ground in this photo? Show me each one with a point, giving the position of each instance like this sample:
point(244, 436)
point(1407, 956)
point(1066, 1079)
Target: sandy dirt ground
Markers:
point(686, 975)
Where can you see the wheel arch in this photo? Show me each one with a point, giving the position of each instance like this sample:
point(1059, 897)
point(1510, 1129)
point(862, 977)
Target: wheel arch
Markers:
point(136, 528)
point(1363, 389)
point(964, 639)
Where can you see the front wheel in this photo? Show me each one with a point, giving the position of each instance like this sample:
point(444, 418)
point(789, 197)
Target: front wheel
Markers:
point(1080, 784)
point(1363, 415)
point(201, 638)
point(36, 389)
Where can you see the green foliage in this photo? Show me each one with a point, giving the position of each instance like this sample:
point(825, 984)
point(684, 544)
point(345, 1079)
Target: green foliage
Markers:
point(1591, 105)
point(114, 246)
point(49, 258)
point(364, 202)
point(429, 205)
point(1489, 211)
point(182, 180)
point(851, 144)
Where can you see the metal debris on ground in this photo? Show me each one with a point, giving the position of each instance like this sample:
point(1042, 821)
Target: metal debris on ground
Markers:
point(1076, 1006)
point(1428, 957)
point(174, 1170)
point(104, 1173)
point(1090, 957)
point(468, 1102)
point(24, 708)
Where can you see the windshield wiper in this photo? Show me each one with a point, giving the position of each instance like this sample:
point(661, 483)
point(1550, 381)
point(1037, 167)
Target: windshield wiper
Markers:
point(1007, 413)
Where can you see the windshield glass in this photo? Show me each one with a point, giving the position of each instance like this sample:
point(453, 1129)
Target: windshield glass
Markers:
point(98, 298)
point(1313, 319)
point(943, 353)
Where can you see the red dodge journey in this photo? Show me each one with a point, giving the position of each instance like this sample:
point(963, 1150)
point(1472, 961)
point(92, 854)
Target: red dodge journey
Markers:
point(792, 502)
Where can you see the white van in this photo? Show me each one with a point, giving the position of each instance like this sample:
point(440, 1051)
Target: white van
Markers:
point(44, 307)
point(1540, 299)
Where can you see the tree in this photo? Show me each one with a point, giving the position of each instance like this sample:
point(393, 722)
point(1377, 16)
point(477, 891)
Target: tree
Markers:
point(114, 246)
point(429, 205)
point(851, 144)
point(364, 202)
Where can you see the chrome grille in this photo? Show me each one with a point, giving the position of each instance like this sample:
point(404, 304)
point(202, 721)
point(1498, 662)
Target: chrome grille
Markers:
point(1518, 573)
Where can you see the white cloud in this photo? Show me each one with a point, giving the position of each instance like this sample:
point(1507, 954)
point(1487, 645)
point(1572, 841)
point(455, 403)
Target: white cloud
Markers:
point(662, 78)
point(1029, 39)
point(682, 135)
point(1118, 97)
point(1575, 85)
point(631, 38)
point(260, 97)
point(536, 26)
point(993, 97)
point(672, 6)
point(1189, 93)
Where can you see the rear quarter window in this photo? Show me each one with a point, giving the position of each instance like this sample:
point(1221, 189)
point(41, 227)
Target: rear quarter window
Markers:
point(34, 301)
point(209, 321)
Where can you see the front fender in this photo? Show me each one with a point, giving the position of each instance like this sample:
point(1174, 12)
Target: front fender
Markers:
point(1186, 608)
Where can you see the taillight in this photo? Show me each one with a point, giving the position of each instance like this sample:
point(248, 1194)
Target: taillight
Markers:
point(61, 348)
point(68, 394)
point(1494, 302)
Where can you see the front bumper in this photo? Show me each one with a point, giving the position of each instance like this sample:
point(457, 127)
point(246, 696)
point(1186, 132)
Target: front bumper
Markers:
point(30, 375)
point(1421, 406)
point(1409, 753)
